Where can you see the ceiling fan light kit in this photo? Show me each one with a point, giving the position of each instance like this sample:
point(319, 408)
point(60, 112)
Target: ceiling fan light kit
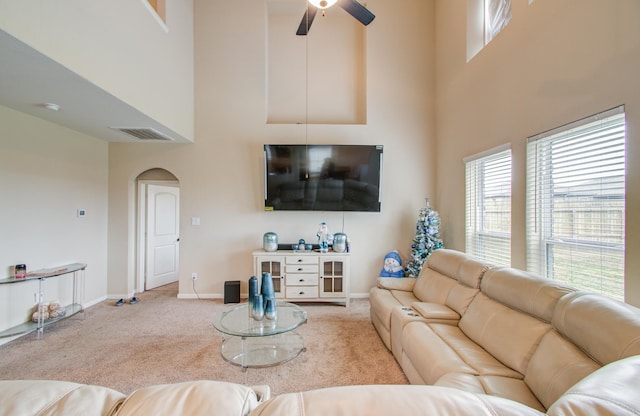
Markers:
point(323, 4)
point(353, 7)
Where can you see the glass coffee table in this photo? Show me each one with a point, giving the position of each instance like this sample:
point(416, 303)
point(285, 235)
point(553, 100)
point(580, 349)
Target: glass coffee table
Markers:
point(265, 343)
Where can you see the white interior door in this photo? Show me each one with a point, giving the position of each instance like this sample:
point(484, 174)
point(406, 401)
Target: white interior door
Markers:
point(163, 235)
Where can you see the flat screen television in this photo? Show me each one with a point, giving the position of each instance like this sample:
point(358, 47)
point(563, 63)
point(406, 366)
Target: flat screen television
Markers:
point(320, 177)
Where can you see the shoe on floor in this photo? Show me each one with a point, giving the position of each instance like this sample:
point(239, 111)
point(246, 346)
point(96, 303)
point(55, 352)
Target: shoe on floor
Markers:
point(134, 300)
point(120, 302)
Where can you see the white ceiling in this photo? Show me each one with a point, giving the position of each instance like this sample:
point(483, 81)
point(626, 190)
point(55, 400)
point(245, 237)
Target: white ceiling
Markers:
point(28, 79)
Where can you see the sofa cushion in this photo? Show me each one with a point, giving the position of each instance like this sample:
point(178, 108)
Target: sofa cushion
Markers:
point(404, 298)
point(605, 329)
point(556, 365)
point(48, 398)
point(523, 291)
point(432, 286)
point(429, 354)
point(471, 272)
point(478, 358)
point(383, 400)
point(446, 261)
point(505, 387)
point(204, 397)
point(437, 349)
point(507, 334)
point(460, 297)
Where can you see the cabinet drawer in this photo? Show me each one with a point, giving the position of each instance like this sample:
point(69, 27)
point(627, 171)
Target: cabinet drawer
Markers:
point(302, 279)
point(302, 259)
point(302, 268)
point(302, 292)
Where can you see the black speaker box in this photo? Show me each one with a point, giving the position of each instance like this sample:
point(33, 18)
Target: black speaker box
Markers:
point(232, 291)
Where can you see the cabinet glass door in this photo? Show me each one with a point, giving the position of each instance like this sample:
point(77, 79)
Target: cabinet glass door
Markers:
point(332, 278)
point(276, 268)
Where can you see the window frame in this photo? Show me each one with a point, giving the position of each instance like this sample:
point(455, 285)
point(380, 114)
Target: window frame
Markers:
point(547, 208)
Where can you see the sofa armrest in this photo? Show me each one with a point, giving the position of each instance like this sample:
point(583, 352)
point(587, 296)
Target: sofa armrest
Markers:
point(397, 283)
point(612, 391)
point(435, 311)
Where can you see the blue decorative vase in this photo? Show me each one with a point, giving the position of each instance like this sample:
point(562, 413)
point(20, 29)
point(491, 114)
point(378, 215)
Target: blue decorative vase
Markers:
point(266, 289)
point(257, 308)
point(270, 311)
point(253, 291)
point(268, 296)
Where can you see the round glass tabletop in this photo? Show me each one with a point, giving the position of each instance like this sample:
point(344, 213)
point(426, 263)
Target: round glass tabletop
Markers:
point(237, 321)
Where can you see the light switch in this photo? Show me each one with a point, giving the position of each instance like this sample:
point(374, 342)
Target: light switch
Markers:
point(81, 213)
point(195, 220)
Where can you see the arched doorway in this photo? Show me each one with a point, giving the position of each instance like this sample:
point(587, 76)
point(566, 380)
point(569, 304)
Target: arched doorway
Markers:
point(158, 236)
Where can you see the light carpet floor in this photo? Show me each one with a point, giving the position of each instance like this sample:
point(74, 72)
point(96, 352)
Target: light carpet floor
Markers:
point(163, 339)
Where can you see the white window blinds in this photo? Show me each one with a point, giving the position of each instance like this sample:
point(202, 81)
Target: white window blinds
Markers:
point(575, 203)
point(488, 206)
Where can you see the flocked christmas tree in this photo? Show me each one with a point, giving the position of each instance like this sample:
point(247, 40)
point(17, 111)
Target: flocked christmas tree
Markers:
point(427, 239)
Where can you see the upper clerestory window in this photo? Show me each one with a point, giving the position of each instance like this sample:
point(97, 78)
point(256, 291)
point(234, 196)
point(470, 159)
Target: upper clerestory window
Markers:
point(485, 19)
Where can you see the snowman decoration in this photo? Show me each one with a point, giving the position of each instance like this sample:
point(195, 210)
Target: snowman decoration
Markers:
point(324, 237)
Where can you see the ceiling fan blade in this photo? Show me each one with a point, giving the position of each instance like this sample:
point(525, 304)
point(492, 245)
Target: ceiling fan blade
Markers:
point(357, 10)
point(307, 19)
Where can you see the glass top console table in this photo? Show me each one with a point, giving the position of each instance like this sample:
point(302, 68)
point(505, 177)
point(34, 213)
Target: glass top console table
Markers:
point(255, 344)
point(76, 306)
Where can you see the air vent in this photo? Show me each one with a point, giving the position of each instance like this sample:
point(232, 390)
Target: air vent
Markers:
point(143, 133)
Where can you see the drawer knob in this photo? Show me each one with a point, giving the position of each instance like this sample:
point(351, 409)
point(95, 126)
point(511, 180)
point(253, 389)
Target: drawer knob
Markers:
point(301, 293)
point(299, 260)
point(300, 269)
point(301, 280)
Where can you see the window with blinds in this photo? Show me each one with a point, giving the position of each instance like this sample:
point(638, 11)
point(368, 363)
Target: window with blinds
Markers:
point(488, 206)
point(575, 203)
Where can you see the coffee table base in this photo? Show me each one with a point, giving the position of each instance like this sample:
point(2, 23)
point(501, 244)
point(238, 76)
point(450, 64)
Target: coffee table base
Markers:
point(259, 352)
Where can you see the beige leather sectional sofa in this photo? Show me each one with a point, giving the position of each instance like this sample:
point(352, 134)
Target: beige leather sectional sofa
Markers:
point(500, 331)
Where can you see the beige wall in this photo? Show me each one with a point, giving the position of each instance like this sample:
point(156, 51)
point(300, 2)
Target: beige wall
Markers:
point(221, 177)
point(119, 46)
point(556, 62)
point(47, 173)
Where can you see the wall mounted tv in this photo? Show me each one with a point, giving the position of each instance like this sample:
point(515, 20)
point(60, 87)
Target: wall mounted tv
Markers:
point(320, 177)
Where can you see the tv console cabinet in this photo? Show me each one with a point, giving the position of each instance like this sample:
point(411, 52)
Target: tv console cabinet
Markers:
point(77, 269)
point(308, 276)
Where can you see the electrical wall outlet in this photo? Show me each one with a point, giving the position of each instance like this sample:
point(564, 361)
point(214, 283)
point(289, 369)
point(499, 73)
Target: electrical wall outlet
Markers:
point(194, 276)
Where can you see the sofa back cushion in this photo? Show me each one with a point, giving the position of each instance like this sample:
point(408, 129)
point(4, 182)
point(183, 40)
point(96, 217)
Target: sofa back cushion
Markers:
point(508, 334)
point(556, 365)
point(460, 298)
point(443, 270)
point(433, 286)
point(605, 329)
point(524, 291)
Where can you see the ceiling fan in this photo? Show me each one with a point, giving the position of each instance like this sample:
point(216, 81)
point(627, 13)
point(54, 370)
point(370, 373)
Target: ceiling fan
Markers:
point(352, 7)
